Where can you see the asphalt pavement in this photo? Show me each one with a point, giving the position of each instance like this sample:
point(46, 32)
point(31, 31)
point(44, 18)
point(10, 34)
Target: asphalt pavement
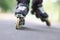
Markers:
point(33, 29)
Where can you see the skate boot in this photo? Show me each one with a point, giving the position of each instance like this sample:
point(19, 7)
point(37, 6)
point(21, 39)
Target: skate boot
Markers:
point(44, 18)
point(20, 21)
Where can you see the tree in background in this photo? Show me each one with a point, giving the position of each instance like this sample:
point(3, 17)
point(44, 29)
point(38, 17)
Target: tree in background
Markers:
point(6, 5)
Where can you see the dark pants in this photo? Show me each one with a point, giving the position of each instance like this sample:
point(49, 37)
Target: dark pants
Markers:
point(36, 7)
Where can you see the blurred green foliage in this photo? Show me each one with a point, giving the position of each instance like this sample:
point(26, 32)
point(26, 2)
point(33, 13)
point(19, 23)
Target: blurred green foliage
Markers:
point(10, 4)
point(7, 4)
point(50, 7)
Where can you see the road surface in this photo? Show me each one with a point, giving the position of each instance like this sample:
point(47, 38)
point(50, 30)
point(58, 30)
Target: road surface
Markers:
point(34, 29)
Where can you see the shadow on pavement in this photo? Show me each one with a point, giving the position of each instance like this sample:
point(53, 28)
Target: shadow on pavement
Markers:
point(41, 29)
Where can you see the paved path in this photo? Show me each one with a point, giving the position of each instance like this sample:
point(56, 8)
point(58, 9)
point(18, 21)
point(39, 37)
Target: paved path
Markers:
point(34, 29)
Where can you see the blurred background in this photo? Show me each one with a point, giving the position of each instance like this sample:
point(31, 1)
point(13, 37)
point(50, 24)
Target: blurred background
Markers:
point(52, 7)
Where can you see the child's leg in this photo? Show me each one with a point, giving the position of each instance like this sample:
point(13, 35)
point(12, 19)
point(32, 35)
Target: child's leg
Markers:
point(35, 5)
point(21, 11)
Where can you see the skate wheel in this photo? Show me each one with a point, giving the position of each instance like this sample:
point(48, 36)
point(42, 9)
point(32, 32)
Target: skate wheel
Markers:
point(48, 23)
point(17, 23)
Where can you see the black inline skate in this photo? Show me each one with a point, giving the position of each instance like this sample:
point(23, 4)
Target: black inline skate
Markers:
point(21, 12)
